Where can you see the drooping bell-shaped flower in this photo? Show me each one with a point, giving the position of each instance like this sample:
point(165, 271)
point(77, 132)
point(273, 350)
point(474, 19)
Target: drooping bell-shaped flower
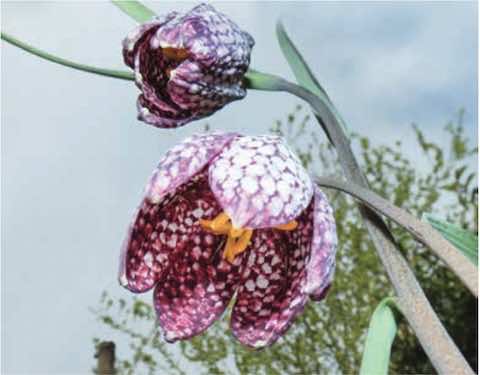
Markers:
point(226, 214)
point(187, 65)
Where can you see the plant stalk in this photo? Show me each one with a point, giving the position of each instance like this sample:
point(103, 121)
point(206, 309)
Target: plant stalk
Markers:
point(422, 231)
point(71, 64)
point(437, 343)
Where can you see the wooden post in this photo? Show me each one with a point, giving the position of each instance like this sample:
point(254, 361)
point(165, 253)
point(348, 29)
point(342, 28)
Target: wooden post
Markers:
point(105, 358)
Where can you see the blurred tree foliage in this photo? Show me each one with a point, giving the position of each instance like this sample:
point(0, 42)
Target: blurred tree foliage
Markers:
point(329, 336)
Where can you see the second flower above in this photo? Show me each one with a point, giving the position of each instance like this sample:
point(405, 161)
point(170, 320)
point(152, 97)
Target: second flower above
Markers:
point(187, 65)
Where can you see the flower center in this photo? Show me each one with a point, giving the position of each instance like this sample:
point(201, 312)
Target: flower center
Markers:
point(176, 54)
point(237, 238)
point(174, 57)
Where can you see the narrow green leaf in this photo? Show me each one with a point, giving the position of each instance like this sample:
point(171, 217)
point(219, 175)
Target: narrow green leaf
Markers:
point(135, 9)
point(380, 336)
point(71, 64)
point(303, 73)
point(463, 240)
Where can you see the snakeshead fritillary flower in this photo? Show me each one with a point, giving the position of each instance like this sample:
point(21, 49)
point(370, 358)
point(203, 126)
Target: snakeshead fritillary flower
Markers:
point(225, 214)
point(187, 66)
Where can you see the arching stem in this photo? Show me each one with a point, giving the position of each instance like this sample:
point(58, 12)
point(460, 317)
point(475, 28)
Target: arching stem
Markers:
point(437, 343)
point(71, 64)
point(422, 231)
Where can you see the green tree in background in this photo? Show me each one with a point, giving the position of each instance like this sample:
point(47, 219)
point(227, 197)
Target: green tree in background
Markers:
point(329, 336)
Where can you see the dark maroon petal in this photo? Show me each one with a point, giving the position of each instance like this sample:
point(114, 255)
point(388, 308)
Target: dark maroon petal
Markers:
point(270, 295)
point(155, 113)
point(197, 289)
point(161, 230)
point(321, 266)
point(152, 74)
point(141, 34)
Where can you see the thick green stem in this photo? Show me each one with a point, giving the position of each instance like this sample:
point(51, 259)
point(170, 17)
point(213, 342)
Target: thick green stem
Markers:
point(436, 341)
point(71, 64)
point(422, 231)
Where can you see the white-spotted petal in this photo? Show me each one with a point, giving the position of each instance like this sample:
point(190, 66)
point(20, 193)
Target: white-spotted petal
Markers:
point(321, 266)
point(183, 161)
point(260, 169)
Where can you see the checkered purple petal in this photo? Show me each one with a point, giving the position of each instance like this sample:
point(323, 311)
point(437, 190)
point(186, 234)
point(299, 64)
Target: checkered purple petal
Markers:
point(271, 294)
point(210, 36)
point(260, 182)
point(183, 161)
point(321, 266)
point(141, 33)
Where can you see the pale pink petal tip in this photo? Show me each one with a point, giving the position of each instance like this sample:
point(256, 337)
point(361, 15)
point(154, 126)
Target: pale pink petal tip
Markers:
point(185, 160)
point(260, 182)
point(321, 266)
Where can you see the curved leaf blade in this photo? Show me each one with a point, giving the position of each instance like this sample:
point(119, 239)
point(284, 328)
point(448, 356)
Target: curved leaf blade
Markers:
point(378, 344)
point(463, 240)
point(135, 9)
point(302, 71)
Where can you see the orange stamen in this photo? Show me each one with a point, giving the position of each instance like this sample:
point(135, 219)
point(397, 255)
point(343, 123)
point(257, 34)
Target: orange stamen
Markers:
point(235, 232)
point(238, 239)
point(289, 226)
point(243, 241)
point(220, 220)
point(229, 253)
point(177, 54)
point(219, 225)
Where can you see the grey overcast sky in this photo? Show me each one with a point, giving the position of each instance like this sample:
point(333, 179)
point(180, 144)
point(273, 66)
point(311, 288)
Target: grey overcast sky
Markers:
point(75, 160)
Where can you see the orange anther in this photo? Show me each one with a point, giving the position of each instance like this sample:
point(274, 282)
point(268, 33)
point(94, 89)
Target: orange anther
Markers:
point(235, 232)
point(238, 239)
point(219, 225)
point(177, 54)
point(289, 226)
point(221, 222)
point(243, 241)
point(228, 252)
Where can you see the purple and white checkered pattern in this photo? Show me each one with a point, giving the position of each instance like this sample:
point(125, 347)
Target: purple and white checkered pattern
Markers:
point(260, 182)
point(167, 248)
point(203, 73)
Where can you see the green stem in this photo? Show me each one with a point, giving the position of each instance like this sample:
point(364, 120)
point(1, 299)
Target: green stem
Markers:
point(71, 64)
point(435, 340)
point(422, 231)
